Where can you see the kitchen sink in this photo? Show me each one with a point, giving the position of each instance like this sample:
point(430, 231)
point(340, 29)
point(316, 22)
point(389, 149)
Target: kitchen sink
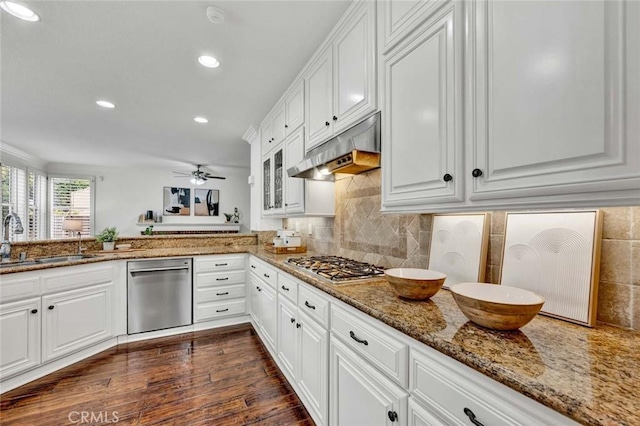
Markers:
point(68, 258)
point(49, 259)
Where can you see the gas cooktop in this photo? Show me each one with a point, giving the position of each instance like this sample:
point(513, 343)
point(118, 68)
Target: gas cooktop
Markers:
point(337, 269)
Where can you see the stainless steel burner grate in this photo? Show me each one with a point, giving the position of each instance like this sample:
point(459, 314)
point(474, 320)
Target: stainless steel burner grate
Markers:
point(336, 268)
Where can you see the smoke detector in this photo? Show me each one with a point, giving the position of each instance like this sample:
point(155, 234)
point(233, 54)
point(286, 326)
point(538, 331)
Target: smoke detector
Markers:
point(215, 15)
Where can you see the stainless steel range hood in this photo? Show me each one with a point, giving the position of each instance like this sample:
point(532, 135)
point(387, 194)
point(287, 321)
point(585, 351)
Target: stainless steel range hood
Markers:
point(354, 151)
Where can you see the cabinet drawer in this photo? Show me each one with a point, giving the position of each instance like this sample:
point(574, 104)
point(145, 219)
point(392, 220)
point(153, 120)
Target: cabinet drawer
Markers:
point(288, 287)
point(265, 272)
point(214, 310)
point(314, 305)
point(212, 294)
point(220, 278)
point(76, 276)
point(449, 389)
point(220, 263)
point(19, 286)
point(381, 349)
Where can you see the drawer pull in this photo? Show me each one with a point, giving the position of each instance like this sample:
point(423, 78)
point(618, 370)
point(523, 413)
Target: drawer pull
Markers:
point(393, 416)
point(266, 275)
point(34, 311)
point(472, 417)
point(253, 266)
point(285, 288)
point(353, 336)
point(51, 307)
point(259, 289)
point(308, 305)
point(221, 264)
point(222, 310)
point(222, 294)
point(293, 320)
point(222, 279)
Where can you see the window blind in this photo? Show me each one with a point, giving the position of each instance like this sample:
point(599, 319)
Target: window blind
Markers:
point(70, 198)
point(14, 196)
point(36, 226)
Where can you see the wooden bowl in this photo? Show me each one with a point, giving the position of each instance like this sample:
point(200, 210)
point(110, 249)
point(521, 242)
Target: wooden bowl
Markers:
point(497, 306)
point(415, 283)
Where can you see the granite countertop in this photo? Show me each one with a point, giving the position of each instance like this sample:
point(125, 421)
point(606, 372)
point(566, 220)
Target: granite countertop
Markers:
point(589, 375)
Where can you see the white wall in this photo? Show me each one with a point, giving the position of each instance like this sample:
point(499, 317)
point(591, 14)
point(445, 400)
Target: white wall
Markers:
point(122, 194)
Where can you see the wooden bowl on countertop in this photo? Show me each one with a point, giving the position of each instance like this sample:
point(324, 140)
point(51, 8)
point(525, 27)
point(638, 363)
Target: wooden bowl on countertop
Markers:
point(497, 307)
point(415, 283)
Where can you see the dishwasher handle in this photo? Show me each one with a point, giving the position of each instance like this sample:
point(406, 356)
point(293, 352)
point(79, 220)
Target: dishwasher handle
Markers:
point(166, 268)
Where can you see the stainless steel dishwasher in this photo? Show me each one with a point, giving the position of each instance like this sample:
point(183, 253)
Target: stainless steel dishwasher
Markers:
point(159, 294)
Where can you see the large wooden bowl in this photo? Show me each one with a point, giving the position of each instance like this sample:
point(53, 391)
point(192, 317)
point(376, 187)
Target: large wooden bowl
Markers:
point(497, 306)
point(415, 283)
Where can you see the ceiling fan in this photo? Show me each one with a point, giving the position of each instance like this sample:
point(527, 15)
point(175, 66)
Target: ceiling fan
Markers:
point(198, 177)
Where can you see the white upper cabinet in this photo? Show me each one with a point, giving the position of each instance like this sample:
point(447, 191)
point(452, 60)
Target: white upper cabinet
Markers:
point(278, 123)
point(547, 102)
point(341, 82)
point(294, 152)
point(319, 97)
point(354, 69)
point(549, 93)
point(422, 123)
point(294, 108)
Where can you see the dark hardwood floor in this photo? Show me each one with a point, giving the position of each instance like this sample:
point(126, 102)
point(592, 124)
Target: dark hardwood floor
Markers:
point(213, 377)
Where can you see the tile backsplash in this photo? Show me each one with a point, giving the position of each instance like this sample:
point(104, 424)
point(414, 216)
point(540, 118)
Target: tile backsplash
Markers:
point(361, 232)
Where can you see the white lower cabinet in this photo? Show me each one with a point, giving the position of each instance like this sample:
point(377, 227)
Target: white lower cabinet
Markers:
point(75, 319)
point(19, 336)
point(219, 285)
point(303, 347)
point(268, 314)
point(262, 284)
point(360, 394)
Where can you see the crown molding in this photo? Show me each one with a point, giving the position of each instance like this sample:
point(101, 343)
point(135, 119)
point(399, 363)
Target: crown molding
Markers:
point(250, 135)
point(15, 156)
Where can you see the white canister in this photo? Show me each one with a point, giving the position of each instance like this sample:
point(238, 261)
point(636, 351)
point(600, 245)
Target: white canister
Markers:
point(278, 242)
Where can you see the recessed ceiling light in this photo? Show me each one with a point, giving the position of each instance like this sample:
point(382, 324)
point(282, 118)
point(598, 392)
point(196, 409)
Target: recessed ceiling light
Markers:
point(19, 11)
point(200, 120)
point(208, 61)
point(106, 104)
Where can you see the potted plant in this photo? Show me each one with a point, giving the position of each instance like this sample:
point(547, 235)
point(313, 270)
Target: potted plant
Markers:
point(107, 237)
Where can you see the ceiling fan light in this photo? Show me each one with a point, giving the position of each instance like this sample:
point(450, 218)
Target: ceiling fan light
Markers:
point(199, 181)
point(194, 181)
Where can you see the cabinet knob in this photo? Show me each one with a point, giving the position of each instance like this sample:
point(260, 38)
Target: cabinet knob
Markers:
point(447, 177)
point(34, 311)
point(476, 173)
point(472, 417)
point(51, 307)
point(335, 118)
point(393, 416)
point(326, 123)
point(293, 320)
point(298, 325)
point(286, 126)
point(286, 204)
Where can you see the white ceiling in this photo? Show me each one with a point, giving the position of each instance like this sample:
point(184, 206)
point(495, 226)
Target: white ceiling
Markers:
point(141, 55)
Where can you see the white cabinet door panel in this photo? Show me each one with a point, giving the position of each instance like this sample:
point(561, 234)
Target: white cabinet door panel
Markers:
point(75, 319)
point(399, 17)
point(354, 59)
point(422, 125)
point(319, 100)
point(288, 342)
point(547, 117)
point(294, 106)
point(294, 147)
point(420, 416)
point(277, 124)
point(360, 395)
point(19, 336)
point(313, 370)
point(268, 312)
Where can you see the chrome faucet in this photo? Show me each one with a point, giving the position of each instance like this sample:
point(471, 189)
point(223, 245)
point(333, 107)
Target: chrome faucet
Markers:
point(5, 249)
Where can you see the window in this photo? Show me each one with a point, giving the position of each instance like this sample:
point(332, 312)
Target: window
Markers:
point(14, 199)
point(36, 226)
point(71, 197)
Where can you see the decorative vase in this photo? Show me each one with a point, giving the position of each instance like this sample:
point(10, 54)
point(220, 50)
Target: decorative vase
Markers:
point(108, 246)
